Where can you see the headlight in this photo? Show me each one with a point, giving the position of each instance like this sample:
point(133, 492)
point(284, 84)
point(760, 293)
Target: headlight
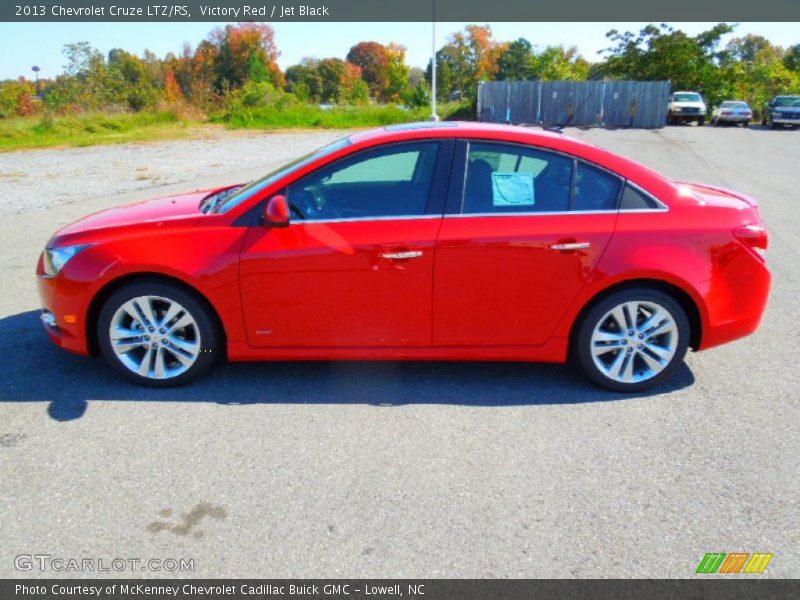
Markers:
point(56, 258)
point(776, 115)
point(677, 109)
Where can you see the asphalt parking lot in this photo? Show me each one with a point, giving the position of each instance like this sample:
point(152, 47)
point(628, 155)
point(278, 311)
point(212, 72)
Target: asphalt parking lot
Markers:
point(397, 469)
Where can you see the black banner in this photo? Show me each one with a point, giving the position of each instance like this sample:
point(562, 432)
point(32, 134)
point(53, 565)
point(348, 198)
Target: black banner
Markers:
point(383, 589)
point(407, 10)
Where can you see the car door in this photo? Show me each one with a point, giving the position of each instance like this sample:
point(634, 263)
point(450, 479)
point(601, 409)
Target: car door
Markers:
point(521, 236)
point(355, 266)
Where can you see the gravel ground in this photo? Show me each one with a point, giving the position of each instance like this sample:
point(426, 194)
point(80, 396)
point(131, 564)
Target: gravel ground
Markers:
point(415, 469)
point(46, 178)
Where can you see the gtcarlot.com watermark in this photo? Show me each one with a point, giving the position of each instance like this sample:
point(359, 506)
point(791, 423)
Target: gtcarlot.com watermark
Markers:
point(62, 564)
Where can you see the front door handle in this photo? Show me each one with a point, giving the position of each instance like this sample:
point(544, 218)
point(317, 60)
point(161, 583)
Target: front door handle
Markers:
point(402, 255)
point(567, 246)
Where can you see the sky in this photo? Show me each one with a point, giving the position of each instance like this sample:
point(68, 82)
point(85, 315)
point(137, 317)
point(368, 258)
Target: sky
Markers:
point(23, 45)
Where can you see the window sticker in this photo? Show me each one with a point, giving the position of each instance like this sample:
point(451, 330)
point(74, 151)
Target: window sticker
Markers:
point(512, 189)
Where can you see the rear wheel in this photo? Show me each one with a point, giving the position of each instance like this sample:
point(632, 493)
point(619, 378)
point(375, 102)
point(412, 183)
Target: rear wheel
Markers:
point(157, 334)
point(632, 340)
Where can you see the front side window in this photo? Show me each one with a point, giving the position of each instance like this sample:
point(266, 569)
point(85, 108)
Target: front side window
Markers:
point(501, 178)
point(386, 182)
point(237, 196)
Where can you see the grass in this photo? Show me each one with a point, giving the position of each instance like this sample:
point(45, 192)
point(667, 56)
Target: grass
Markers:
point(89, 129)
point(312, 116)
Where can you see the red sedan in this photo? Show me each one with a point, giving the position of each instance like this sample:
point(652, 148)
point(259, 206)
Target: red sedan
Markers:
point(425, 242)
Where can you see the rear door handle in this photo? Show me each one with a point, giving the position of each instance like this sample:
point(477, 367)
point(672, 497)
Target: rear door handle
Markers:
point(570, 246)
point(402, 255)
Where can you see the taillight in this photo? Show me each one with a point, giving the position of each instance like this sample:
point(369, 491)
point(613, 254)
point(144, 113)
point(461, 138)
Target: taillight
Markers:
point(754, 237)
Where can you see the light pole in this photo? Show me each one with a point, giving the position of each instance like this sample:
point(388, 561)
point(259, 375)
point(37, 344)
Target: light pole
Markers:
point(36, 70)
point(434, 116)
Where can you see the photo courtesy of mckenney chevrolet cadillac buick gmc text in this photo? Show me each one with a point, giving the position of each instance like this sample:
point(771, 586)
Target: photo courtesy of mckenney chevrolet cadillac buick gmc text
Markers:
point(453, 241)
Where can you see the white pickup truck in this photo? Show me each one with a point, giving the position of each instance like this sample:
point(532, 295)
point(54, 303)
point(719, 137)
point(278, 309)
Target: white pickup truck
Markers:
point(686, 106)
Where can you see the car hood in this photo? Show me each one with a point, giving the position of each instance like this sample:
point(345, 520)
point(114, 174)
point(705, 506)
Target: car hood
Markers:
point(147, 212)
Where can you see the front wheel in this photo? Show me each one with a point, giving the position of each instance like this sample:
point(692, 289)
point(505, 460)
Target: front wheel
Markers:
point(632, 340)
point(157, 334)
point(701, 121)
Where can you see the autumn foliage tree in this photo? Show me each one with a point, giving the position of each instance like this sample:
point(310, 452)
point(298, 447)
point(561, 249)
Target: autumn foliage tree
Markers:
point(373, 60)
point(237, 47)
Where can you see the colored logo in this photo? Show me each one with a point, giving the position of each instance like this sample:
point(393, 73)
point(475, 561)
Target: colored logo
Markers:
point(735, 562)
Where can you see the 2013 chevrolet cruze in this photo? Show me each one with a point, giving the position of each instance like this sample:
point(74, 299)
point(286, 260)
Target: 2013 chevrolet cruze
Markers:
point(441, 242)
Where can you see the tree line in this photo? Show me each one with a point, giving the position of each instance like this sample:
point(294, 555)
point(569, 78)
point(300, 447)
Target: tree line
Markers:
point(236, 67)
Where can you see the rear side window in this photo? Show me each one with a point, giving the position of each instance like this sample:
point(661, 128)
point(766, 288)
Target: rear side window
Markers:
point(501, 178)
point(595, 189)
point(633, 199)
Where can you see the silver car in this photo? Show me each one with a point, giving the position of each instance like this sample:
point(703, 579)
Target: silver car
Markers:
point(732, 111)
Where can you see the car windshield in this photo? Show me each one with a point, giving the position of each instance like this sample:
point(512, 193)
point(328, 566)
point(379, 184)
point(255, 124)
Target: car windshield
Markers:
point(254, 187)
point(687, 98)
point(784, 101)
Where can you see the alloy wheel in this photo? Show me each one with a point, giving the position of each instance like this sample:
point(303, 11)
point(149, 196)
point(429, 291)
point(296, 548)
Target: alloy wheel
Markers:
point(634, 341)
point(155, 337)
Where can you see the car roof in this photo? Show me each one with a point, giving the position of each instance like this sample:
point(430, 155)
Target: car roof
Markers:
point(465, 129)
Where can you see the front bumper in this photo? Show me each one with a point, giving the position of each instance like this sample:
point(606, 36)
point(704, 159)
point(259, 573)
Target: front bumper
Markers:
point(687, 116)
point(785, 121)
point(63, 315)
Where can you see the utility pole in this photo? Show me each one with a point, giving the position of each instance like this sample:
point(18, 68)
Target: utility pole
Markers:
point(434, 116)
point(36, 70)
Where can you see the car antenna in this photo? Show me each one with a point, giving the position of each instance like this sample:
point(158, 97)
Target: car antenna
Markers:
point(560, 128)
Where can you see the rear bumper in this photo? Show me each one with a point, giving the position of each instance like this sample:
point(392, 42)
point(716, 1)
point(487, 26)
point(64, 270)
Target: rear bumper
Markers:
point(735, 306)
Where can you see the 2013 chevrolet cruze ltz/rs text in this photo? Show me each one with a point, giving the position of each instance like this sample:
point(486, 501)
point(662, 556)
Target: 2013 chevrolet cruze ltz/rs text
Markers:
point(451, 241)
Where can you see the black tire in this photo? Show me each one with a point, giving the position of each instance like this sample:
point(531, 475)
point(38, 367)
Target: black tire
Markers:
point(701, 121)
point(204, 323)
point(771, 124)
point(670, 119)
point(746, 124)
point(582, 350)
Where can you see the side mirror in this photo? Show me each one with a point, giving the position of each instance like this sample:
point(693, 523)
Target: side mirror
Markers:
point(276, 213)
